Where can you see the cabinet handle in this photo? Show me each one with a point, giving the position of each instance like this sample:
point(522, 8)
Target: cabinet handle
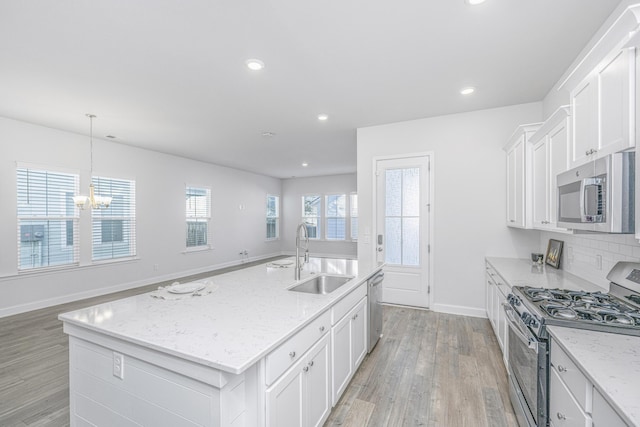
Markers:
point(562, 368)
point(512, 220)
point(292, 354)
point(306, 369)
point(355, 316)
point(321, 328)
point(311, 363)
point(561, 416)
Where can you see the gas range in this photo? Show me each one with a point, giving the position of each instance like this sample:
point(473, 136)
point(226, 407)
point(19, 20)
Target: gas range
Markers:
point(617, 311)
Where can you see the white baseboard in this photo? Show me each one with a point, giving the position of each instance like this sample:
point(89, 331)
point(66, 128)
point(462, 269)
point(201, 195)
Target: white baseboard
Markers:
point(63, 299)
point(460, 310)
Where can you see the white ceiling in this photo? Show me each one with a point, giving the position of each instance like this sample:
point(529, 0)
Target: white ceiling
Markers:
point(170, 75)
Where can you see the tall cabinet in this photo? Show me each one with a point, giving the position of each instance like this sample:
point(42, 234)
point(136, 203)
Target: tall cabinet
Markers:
point(519, 176)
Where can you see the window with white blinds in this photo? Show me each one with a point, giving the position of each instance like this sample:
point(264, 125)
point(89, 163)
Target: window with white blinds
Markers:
point(198, 212)
point(273, 217)
point(353, 202)
point(311, 214)
point(336, 216)
point(47, 218)
point(113, 230)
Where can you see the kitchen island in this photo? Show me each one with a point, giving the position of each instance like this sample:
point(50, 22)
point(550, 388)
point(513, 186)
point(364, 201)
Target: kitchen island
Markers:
point(218, 359)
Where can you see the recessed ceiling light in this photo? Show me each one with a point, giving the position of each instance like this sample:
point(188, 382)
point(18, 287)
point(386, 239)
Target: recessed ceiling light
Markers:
point(474, 2)
point(322, 117)
point(254, 64)
point(305, 164)
point(268, 134)
point(467, 90)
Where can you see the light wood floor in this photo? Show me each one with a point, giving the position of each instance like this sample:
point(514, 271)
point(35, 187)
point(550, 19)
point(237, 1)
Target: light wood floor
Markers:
point(429, 369)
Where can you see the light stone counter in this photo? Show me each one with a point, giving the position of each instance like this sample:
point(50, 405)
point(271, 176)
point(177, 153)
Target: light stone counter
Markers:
point(521, 272)
point(249, 314)
point(612, 364)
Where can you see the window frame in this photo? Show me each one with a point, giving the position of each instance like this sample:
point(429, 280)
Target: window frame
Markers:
point(275, 217)
point(317, 218)
point(351, 216)
point(72, 215)
point(206, 219)
point(96, 217)
point(327, 217)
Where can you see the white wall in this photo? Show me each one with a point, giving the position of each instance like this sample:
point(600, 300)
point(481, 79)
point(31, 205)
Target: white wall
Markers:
point(470, 195)
point(292, 191)
point(160, 182)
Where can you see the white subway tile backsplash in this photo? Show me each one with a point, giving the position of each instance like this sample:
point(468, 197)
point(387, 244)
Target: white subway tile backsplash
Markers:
point(585, 250)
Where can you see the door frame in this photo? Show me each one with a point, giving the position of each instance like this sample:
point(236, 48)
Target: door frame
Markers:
point(430, 211)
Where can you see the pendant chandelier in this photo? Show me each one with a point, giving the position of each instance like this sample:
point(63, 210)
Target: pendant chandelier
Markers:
point(93, 201)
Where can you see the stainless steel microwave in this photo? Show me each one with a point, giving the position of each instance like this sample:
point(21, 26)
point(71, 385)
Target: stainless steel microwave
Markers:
point(599, 196)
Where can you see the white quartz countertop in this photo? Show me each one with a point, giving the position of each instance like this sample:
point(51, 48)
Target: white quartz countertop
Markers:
point(612, 364)
point(248, 315)
point(522, 272)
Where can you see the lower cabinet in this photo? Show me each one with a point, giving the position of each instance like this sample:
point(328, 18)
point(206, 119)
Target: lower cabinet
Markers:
point(573, 400)
point(302, 396)
point(349, 342)
point(496, 295)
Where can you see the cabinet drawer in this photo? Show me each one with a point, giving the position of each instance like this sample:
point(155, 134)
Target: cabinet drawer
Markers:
point(603, 414)
point(564, 411)
point(345, 305)
point(280, 359)
point(575, 380)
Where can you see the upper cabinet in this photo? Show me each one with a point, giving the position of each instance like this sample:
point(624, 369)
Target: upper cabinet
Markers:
point(603, 109)
point(519, 176)
point(549, 157)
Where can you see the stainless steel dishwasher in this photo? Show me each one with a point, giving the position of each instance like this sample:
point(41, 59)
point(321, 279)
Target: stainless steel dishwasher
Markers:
point(374, 290)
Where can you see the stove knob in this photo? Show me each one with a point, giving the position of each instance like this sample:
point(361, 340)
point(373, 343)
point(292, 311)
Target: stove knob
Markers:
point(526, 317)
point(517, 301)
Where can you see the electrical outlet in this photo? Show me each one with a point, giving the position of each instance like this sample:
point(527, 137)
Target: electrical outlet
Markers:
point(155, 267)
point(598, 262)
point(118, 365)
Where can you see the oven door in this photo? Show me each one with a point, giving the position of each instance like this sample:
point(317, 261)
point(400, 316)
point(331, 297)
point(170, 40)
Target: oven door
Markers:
point(528, 372)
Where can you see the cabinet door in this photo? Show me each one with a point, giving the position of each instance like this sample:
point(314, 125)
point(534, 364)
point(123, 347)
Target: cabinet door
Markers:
point(342, 357)
point(516, 185)
point(359, 333)
point(318, 383)
point(584, 107)
point(603, 414)
point(616, 103)
point(502, 322)
point(511, 187)
point(285, 399)
point(489, 297)
point(558, 162)
point(497, 309)
point(540, 185)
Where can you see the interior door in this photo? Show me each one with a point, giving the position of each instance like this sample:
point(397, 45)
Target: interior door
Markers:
point(402, 229)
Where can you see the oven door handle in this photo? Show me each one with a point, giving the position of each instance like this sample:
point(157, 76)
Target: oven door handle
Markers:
point(525, 337)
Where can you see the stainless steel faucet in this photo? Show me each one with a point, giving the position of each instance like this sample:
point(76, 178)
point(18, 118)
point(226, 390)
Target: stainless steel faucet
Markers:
point(301, 226)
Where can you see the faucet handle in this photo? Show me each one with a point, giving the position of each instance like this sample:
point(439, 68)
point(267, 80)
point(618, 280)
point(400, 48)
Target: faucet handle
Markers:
point(306, 256)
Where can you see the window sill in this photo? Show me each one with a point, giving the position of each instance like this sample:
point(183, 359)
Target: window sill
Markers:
point(277, 239)
point(69, 267)
point(197, 249)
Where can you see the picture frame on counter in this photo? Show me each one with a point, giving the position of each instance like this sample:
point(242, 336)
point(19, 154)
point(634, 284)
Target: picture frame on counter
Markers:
point(554, 253)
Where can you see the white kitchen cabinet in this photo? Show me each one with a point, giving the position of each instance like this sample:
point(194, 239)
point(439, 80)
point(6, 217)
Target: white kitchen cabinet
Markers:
point(497, 291)
point(349, 347)
point(603, 415)
point(519, 177)
point(603, 109)
point(301, 397)
point(550, 156)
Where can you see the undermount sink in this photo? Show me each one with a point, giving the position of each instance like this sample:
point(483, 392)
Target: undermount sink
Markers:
point(322, 284)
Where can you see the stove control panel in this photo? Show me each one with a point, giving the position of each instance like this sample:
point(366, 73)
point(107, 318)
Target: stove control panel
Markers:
point(514, 300)
point(529, 320)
